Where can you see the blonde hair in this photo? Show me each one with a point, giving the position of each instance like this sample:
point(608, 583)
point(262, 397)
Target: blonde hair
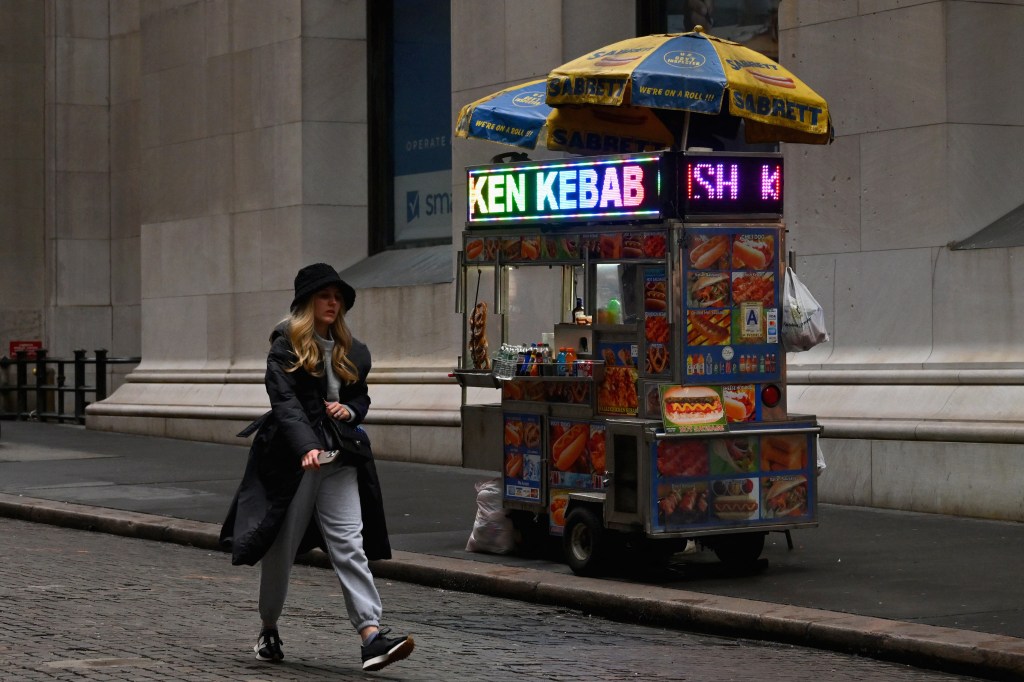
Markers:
point(307, 350)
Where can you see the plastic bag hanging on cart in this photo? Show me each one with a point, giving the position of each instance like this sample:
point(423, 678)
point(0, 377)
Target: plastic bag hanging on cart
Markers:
point(803, 320)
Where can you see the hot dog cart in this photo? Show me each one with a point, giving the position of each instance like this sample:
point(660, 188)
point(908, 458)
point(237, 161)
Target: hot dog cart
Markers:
point(627, 308)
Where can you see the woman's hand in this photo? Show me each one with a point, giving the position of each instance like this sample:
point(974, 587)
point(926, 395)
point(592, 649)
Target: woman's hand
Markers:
point(310, 461)
point(337, 411)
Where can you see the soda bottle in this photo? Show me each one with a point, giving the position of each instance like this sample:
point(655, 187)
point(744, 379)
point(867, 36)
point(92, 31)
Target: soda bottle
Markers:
point(560, 363)
point(614, 311)
point(570, 361)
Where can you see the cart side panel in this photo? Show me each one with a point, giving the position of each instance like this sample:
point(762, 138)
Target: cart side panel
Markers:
point(733, 482)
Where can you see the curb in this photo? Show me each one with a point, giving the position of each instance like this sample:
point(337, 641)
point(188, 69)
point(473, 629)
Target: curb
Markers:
point(966, 652)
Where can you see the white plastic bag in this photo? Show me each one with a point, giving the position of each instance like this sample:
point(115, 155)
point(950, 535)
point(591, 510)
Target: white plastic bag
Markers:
point(821, 458)
point(803, 320)
point(492, 530)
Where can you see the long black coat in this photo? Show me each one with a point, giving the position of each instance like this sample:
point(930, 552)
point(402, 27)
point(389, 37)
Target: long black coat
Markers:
point(274, 468)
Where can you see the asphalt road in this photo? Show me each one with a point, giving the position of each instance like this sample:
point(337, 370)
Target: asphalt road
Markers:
point(91, 606)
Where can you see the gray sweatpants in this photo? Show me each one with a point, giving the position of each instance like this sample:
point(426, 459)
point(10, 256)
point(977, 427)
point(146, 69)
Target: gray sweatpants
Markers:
point(333, 493)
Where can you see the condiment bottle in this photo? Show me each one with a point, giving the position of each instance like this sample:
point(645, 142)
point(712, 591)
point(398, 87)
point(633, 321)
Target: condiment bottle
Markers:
point(579, 315)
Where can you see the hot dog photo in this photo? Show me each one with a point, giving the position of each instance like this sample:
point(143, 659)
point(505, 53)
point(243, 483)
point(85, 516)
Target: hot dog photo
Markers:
point(632, 245)
point(708, 327)
point(475, 249)
point(569, 445)
point(686, 406)
point(577, 453)
point(530, 248)
point(735, 499)
point(655, 295)
point(709, 252)
point(753, 252)
point(740, 402)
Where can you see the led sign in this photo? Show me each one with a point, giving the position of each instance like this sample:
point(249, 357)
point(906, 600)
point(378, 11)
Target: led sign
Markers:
point(609, 188)
point(735, 185)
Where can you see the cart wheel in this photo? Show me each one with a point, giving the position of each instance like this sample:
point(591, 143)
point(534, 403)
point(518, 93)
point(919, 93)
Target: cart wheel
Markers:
point(585, 542)
point(738, 549)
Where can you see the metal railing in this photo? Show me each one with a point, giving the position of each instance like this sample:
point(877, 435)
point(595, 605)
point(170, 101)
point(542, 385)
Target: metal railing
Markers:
point(50, 389)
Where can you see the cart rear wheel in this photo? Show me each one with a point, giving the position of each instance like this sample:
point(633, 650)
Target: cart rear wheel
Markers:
point(738, 549)
point(585, 542)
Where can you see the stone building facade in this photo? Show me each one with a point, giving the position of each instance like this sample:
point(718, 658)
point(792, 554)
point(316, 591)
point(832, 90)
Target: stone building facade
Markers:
point(167, 165)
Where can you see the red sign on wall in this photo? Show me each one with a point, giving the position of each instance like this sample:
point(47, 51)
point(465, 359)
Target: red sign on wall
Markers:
point(29, 346)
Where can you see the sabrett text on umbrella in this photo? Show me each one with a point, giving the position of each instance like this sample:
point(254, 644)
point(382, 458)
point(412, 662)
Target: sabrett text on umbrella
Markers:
point(776, 107)
point(738, 64)
point(608, 144)
point(576, 86)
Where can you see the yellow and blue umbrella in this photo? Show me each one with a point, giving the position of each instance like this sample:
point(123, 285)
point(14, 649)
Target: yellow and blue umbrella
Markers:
point(518, 116)
point(695, 73)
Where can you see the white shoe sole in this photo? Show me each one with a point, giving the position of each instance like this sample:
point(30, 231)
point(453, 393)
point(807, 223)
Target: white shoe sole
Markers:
point(260, 657)
point(397, 653)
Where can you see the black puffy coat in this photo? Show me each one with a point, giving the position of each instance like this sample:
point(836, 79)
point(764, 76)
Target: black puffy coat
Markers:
point(283, 435)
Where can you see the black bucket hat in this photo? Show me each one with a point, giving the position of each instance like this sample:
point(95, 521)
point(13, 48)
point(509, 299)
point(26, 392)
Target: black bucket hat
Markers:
point(317, 276)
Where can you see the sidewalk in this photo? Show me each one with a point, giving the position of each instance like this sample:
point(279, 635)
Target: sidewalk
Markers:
point(934, 591)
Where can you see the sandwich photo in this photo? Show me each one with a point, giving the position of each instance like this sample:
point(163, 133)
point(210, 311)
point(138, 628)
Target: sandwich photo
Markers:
point(708, 290)
point(785, 497)
point(734, 455)
point(687, 405)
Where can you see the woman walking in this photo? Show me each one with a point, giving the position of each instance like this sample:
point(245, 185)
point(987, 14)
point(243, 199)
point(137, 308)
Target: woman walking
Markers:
point(310, 480)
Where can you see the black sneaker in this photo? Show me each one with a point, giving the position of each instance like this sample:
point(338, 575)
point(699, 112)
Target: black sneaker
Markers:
point(268, 646)
point(384, 650)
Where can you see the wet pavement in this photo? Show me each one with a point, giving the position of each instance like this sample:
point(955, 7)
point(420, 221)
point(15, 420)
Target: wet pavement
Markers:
point(931, 590)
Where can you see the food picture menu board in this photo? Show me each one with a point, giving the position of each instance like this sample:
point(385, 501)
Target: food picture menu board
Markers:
point(522, 457)
point(566, 246)
point(731, 308)
point(657, 330)
point(577, 454)
point(728, 481)
point(617, 391)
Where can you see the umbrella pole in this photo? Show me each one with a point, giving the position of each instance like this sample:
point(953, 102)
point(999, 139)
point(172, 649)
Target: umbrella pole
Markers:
point(686, 131)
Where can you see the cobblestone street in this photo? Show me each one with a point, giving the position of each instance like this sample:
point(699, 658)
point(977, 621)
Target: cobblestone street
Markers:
point(89, 606)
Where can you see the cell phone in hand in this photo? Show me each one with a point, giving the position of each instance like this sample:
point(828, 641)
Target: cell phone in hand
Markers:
point(327, 456)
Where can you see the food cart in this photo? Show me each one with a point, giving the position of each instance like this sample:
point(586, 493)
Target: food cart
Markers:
point(628, 309)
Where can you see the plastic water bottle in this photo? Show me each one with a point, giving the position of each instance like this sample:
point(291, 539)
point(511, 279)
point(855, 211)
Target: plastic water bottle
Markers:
point(560, 363)
point(570, 361)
